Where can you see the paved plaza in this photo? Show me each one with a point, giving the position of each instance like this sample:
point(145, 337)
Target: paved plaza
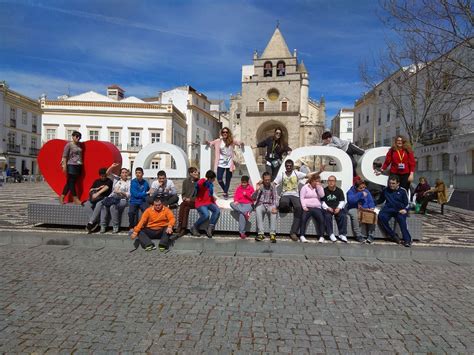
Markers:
point(71, 298)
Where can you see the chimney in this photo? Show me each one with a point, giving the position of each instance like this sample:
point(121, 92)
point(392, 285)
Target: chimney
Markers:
point(115, 92)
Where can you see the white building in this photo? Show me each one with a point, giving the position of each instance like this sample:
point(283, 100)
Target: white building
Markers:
point(342, 124)
point(220, 112)
point(201, 124)
point(20, 122)
point(129, 123)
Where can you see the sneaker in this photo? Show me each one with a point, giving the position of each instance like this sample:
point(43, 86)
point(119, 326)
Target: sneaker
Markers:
point(294, 237)
point(260, 237)
point(396, 239)
point(303, 239)
point(333, 238)
point(243, 236)
point(343, 238)
point(273, 238)
point(103, 229)
point(162, 249)
point(149, 248)
point(370, 239)
point(321, 240)
point(95, 227)
point(247, 215)
point(360, 239)
point(115, 229)
point(195, 231)
point(226, 196)
point(210, 231)
point(89, 228)
point(407, 244)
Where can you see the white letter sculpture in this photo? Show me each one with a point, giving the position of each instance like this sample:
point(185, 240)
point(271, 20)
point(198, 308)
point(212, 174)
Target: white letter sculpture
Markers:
point(146, 155)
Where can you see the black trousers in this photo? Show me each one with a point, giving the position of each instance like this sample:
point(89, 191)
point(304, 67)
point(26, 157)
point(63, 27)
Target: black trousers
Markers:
point(286, 202)
point(146, 235)
point(73, 173)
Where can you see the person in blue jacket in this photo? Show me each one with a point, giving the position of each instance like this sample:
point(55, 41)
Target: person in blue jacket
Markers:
point(359, 196)
point(139, 188)
point(396, 206)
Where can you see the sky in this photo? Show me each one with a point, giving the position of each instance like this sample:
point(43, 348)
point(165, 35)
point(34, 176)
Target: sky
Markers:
point(70, 47)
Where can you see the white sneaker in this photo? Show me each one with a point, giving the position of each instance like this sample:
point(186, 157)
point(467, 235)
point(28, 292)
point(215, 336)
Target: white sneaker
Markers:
point(343, 238)
point(333, 238)
point(303, 239)
point(321, 240)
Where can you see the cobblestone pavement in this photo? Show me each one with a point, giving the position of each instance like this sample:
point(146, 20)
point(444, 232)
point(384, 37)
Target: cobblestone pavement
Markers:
point(454, 228)
point(75, 299)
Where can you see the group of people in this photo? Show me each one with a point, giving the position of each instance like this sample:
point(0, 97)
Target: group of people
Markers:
point(274, 193)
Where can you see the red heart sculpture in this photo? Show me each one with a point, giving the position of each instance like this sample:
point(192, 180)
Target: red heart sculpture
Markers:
point(96, 155)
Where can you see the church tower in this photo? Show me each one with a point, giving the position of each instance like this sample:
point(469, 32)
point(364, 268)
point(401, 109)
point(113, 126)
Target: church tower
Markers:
point(275, 93)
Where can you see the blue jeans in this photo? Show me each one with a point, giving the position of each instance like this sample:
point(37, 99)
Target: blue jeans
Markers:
point(384, 218)
point(341, 221)
point(204, 214)
point(220, 175)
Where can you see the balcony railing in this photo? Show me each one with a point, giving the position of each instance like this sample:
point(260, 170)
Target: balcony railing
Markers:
point(34, 151)
point(134, 147)
point(118, 145)
point(436, 136)
point(277, 109)
point(13, 148)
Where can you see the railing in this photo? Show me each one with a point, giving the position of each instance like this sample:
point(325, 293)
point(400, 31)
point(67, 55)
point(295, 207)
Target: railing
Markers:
point(13, 148)
point(134, 147)
point(34, 151)
point(436, 136)
point(271, 109)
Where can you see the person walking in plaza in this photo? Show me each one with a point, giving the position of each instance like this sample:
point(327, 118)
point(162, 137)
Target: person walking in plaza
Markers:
point(396, 206)
point(438, 192)
point(205, 203)
point(156, 223)
point(290, 196)
point(276, 149)
point(266, 202)
point(224, 158)
point(164, 189)
point(333, 206)
point(139, 188)
point(71, 164)
point(348, 147)
point(100, 189)
point(242, 204)
point(115, 203)
point(401, 160)
point(358, 197)
point(188, 196)
point(310, 197)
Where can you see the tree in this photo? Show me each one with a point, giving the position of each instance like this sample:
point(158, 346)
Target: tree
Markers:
point(426, 73)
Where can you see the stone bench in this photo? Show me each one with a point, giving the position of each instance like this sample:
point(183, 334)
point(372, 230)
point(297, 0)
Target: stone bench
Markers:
point(51, 212)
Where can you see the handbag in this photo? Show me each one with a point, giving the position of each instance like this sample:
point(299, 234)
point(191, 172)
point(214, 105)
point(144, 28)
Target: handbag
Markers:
point(367, 216)
point(110, 200)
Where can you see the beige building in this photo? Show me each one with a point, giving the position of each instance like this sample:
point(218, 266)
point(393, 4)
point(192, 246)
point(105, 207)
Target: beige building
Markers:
point(20, 130)
point(275, 93)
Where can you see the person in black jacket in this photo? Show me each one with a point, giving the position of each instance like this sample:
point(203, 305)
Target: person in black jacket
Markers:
point(277, 147)
point(188, 195)
point(396, 206)
point(100, 189)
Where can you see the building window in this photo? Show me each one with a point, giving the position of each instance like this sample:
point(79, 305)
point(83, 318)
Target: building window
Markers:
point(267, 69)
point(115, 138)
point(367, 117)
point(445, 161)
point(24, 118)
point(397, 131)
point(358, 119)
point(50, 133)
point(429, 162)
point(155, 164)
point(155, 137)
point(261, 106)
point(237, 115)
point(94, 135)
point(23, 140)
point(69, 133)
point(388, 114)
point(33, 142)
point(284, 106)
point(135, 139)
point(11, 138)
point(12, 117)
point(349, 126)
point(281, 68)
point(34, 124)
point(380, 118)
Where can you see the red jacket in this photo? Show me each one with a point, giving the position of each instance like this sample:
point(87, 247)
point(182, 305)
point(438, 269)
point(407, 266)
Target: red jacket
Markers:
point(396, 157)
point(204, 196)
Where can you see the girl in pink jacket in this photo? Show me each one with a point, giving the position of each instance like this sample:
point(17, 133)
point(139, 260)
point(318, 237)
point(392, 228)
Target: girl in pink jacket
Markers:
point(243, 203)
point(310, 197)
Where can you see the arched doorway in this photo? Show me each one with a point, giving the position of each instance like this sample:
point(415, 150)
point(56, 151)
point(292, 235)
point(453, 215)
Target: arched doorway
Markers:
point(265, 130)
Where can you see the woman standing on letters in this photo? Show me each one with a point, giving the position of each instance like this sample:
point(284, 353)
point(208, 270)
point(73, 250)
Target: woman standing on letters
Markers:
point(277, 147)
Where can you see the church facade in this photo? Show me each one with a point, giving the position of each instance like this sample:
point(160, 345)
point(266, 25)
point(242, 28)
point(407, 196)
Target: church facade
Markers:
point(275, 93)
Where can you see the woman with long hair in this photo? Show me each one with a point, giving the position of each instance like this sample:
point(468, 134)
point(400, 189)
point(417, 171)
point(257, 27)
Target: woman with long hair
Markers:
point(401, 160)
point(224, 158)
point(277, 148)
point(71, 164)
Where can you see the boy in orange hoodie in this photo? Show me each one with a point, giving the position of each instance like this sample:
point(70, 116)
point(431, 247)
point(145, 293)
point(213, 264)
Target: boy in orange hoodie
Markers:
point(156, 223)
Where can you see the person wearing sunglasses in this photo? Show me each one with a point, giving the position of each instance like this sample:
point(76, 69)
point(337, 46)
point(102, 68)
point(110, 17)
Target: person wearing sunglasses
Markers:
point(276, 149)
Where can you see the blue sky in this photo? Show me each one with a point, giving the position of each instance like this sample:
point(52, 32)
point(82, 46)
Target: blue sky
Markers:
point(147, 46)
